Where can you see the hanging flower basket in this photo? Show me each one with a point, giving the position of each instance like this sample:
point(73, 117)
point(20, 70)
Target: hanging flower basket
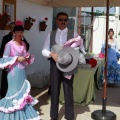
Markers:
point(2, 24)
point(4, 19)
point(42, 27)
point(27, 25)
point(28, 22)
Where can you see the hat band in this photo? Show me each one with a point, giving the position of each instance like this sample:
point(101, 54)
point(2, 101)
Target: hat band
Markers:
point(68, 63)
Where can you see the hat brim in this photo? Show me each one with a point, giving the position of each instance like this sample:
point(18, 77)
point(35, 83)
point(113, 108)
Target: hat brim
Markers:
point(74, 62)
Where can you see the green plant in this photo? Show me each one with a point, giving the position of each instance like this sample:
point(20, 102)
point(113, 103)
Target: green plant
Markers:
point(44, 21)
point(5, 17)
point(30, 20)
point(119, 33)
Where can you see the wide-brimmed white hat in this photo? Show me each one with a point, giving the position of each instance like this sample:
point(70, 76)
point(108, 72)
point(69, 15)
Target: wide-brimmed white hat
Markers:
point(67, 58)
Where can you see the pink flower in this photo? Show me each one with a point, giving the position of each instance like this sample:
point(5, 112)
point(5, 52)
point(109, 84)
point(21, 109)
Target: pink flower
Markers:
point(101, 55)
point(29, 58)
point(28, 99)
point(23, 104)
point(18, 22)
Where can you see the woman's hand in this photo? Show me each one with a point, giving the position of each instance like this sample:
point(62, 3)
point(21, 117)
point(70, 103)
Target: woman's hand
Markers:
point(21, 59)
point(54, 56)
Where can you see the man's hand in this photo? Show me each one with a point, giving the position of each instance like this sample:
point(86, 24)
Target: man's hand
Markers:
point(54, 56)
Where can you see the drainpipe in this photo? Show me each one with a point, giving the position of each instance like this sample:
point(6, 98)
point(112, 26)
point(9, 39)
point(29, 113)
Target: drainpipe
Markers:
point(79, 21)
point(91, 39)
point(117, 19)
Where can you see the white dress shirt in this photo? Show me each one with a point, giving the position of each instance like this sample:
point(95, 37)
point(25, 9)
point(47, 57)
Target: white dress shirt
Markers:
point(60, 39)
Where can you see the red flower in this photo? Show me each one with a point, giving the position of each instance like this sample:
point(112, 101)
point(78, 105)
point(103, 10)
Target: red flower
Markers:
point(46, 18)
point(5, 17)
point(92, 62)
point(44, 21)
point(101, 55)
point(30, 19)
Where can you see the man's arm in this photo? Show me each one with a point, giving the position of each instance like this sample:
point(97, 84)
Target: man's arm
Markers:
point(46, 47)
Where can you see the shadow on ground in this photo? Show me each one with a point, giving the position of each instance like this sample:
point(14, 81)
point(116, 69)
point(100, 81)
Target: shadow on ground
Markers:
point(113, 96)
point(44, 99)
point(77, 110)
point(42, 96)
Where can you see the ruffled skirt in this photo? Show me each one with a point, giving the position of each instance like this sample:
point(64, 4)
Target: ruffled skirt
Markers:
point(19, 106)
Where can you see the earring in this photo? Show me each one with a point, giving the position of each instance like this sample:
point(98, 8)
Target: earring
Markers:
point(13, 36)
point(23, 38)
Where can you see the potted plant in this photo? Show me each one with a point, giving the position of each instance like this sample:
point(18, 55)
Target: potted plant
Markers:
point(4, 19)
point(119, 33)
point(28, 23)
point(42, 26)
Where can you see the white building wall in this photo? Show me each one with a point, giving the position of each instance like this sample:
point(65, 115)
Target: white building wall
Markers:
point(35, 37)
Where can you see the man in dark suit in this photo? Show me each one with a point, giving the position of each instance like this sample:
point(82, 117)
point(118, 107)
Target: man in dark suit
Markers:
point(6, 39)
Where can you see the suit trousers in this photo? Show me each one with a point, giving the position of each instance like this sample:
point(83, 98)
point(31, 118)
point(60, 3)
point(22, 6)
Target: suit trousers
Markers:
point(56, 77)
point(4, 83)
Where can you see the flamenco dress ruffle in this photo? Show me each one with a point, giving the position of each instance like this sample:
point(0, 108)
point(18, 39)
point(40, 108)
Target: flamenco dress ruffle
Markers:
point(19, 106)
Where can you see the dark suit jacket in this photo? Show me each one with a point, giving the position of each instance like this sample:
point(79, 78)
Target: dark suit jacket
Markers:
point(6, 39)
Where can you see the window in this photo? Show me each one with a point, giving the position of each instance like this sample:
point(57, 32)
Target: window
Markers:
point(9, 6)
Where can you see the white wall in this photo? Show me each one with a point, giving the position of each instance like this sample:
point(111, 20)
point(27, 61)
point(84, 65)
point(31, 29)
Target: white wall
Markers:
point(0, 6)
point(35, 37)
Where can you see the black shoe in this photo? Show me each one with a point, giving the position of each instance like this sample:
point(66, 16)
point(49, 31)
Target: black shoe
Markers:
point(54, 119)
point(70, 119)
point(49, 91)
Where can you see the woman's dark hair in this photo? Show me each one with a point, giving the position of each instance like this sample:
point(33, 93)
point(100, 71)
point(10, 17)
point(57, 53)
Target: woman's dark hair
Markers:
point(18, 28)
point(110, 30)
point(61, 13)
point(12, 23)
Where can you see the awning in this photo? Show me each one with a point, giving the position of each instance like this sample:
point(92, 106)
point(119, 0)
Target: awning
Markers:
point(75, 3)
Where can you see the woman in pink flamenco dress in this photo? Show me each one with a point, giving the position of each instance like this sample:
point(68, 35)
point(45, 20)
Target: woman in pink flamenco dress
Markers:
point(18, 103)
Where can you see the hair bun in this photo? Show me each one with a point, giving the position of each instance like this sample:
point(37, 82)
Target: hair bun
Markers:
point(110, 29)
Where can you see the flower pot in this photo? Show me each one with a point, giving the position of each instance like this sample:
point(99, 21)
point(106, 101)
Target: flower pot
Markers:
point(42, 27)
point(2, 24)
point(27, 25)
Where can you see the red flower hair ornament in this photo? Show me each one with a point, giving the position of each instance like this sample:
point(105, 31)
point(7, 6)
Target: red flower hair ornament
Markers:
point(18, 22)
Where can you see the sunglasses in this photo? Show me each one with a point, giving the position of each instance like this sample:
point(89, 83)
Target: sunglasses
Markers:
point(65, 20)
